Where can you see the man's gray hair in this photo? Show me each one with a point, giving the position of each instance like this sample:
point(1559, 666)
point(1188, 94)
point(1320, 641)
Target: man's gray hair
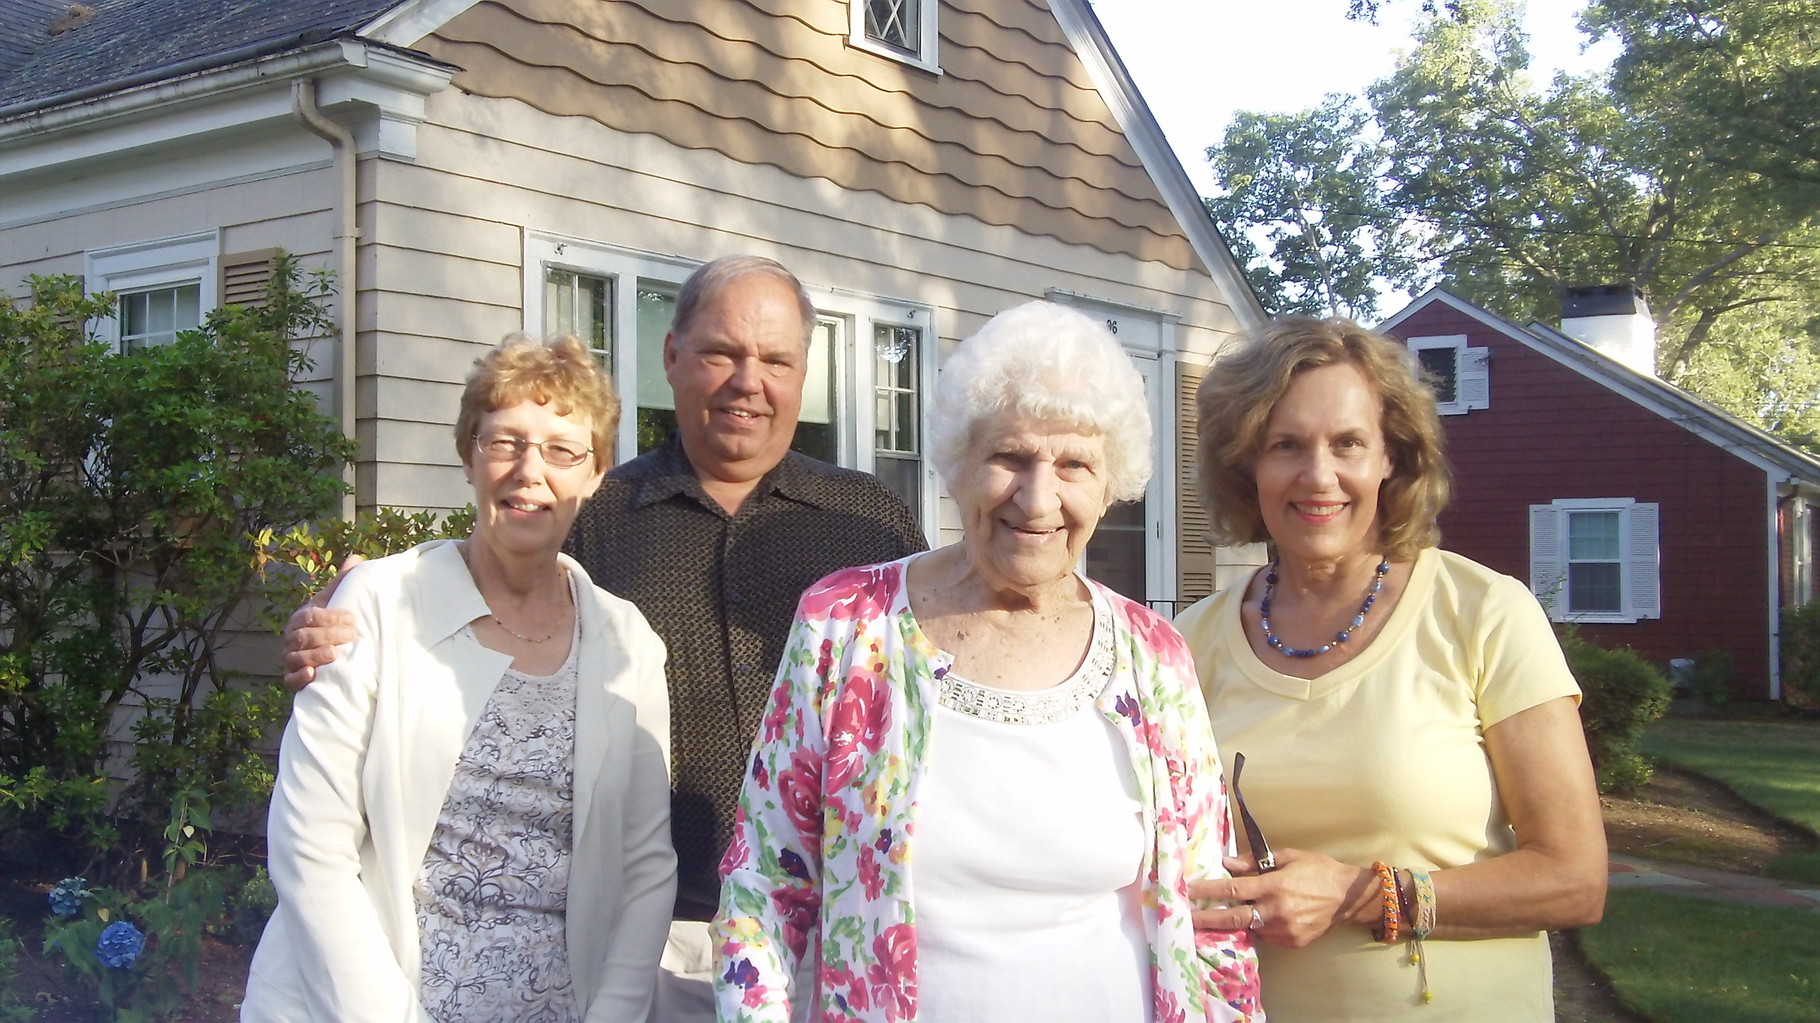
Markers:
point(1045, 363)
point(709, 278)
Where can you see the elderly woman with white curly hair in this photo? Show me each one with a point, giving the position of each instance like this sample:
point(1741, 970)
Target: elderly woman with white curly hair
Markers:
point(984, 780)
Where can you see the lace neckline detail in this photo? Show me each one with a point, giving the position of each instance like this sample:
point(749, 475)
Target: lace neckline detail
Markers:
point(1046, 706)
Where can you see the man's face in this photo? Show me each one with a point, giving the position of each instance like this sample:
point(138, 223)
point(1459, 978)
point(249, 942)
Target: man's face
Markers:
point(737, 373)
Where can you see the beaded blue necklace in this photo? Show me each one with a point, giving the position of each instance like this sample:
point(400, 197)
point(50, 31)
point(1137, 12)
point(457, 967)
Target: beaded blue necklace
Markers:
point(1270, 590)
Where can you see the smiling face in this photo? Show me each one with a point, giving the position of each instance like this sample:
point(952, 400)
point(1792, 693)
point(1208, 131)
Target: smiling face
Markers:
point(737, 372)
point(525, 506)
point(1323, 461)
point(1030, 495)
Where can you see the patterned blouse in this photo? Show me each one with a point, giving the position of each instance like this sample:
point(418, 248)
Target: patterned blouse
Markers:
point(493, 891)
point(822, 846)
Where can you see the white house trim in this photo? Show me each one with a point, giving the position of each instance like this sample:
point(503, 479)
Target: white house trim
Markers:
point(408, 23)
point(1773, 584)
point(1115, 85)
point(234, 98)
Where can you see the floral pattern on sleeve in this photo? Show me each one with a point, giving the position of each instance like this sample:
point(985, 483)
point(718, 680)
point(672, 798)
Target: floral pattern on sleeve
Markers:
point(820, 859)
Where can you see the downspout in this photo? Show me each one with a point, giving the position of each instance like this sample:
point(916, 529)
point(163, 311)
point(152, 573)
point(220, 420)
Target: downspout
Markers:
point(347, 234)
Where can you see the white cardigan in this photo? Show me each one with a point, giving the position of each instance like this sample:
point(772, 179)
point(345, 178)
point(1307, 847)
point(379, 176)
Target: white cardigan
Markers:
point(366, 763)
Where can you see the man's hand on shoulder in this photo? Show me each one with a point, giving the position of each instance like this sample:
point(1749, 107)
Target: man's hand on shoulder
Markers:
point(315, 630)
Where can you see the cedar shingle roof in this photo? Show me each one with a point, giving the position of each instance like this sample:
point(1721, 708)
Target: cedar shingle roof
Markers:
point(128, 41)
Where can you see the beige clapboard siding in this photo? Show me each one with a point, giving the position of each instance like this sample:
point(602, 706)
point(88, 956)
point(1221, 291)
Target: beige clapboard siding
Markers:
point(411, 487)
point(432, 400)
point(398, 226)
point(723, 84)
point(442, 275)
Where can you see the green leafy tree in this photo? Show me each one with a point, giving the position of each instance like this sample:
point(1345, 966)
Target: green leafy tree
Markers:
point(1505, 192)
point(1306, 186)
point(1743, 72)
point(131, 485)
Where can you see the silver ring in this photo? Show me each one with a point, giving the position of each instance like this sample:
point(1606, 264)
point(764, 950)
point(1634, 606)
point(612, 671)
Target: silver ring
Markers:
point(1257, 919)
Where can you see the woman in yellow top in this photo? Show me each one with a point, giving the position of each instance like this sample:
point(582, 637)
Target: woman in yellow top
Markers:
point(1413, 752)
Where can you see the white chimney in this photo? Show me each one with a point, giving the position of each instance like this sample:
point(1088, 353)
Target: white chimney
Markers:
point(1614, 320)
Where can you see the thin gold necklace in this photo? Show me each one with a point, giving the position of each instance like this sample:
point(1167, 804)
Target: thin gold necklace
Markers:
point(508, 629)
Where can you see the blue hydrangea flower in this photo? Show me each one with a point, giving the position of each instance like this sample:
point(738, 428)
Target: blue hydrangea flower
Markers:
point(67, 896)
point(120, 945)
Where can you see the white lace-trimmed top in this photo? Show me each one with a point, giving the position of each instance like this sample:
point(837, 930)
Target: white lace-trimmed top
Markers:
point(1030, 837)
point(493, 892)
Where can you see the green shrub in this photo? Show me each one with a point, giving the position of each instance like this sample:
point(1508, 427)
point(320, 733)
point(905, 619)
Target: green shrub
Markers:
point(1801, 656)
point(1711, 682)
point(249, 907)
point(13, 1006)
point(139, 957)
point(130, 485)
point(1622, 693)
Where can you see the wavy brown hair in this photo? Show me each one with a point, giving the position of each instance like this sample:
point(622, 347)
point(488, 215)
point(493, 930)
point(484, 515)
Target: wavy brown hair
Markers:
point(1249, 378)
point(560, 373)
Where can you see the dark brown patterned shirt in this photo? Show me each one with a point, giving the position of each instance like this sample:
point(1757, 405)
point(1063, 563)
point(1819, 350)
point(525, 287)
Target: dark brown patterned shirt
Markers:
point(721, 590)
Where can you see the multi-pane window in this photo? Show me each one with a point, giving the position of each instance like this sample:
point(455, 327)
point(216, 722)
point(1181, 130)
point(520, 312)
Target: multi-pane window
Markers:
point(903, 30)
point(866, 372)
point(580, 304)
point(163, 286)
point(895, 23)
point(1596, 559)
point(1595, 563)
point(897, 416)
point(155, 315)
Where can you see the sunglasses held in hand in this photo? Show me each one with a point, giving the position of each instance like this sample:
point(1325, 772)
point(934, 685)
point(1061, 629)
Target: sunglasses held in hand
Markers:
point(1267, 860)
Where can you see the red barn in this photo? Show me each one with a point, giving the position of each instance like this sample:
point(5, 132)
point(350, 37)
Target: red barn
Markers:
point(1633, 508)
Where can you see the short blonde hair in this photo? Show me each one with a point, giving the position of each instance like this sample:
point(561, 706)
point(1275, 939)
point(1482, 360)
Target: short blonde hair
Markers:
point(560, 372)
point(1045, 363)
point(1248, 379)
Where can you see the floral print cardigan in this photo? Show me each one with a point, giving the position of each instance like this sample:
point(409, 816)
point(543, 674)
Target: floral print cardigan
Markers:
point(822, 845)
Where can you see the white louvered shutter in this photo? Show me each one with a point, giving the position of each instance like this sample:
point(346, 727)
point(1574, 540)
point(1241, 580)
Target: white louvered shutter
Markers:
point(1547, 559)
point(1643, 560)
point(1474, 386)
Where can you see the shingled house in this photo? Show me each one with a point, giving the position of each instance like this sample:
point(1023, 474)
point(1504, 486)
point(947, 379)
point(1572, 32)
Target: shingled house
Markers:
point(474, 167)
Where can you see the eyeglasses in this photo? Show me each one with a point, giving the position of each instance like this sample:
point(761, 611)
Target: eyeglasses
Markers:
point(557, 454)
point(1267, 860)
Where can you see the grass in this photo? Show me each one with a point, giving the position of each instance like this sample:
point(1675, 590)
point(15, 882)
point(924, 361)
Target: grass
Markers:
point(1680, 960)
point(1774, 765)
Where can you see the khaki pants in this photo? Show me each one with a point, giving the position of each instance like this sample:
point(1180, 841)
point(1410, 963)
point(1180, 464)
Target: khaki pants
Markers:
point(685, 978)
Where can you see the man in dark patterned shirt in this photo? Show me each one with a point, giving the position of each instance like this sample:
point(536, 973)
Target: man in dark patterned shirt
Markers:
point(713, 535)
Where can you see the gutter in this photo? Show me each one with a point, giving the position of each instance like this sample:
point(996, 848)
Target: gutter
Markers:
point(347, 234)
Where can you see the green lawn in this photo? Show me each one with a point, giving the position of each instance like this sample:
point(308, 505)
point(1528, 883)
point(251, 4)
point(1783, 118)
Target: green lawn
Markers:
point(1775, 765)
point(1676, 959)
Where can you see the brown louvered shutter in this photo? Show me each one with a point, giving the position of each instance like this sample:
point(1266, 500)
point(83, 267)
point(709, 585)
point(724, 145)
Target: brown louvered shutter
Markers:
point(244, 276)
point(1194, 547)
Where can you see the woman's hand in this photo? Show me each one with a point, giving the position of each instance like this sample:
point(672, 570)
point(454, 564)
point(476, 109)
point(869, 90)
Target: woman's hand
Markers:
point(1307, 895)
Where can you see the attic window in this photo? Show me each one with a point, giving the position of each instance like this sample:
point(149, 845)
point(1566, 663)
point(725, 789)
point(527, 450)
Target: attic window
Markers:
point(903, 30)
point(1459, 375)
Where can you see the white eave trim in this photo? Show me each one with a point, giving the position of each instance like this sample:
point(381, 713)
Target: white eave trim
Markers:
point(350, 71)
point(1094, 47)
point(408, 23)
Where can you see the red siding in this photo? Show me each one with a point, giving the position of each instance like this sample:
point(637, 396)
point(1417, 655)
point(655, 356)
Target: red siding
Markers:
point(1551, 433)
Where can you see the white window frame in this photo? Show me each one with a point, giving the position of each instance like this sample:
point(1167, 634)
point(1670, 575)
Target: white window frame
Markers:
point(1471, 372)
point(855, 316)
point(1640, 554)
point(927, 55)
point(150, 266)
point(1148, 336)
point(624, 268)
point(852, 314)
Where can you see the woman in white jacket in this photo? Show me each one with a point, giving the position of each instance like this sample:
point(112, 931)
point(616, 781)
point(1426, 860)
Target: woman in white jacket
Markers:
point(471, 820)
